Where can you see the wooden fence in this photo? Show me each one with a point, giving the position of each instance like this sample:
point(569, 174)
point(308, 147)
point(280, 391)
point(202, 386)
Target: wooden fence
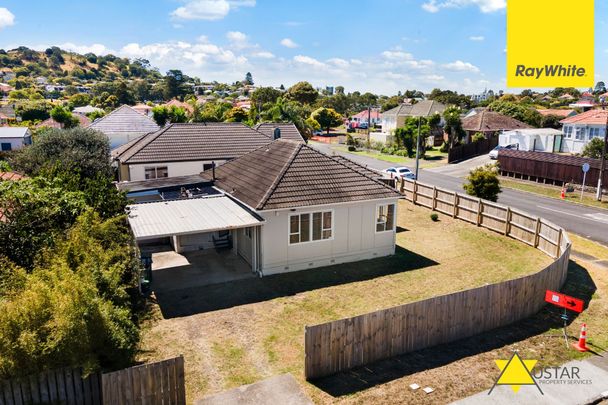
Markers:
point(160, 383)
point(65, 386)
point(472, 149)
point(343, 344)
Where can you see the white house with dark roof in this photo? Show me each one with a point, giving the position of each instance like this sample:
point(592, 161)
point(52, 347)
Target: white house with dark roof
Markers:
point(282, 207)
point(124, 124)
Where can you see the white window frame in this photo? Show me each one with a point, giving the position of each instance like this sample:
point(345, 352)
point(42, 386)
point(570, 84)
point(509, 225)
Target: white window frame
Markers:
point(155, 168)
point(579, 134)
point(594, 132)
point(568, 131)
point(310, 225)
point(377, 218)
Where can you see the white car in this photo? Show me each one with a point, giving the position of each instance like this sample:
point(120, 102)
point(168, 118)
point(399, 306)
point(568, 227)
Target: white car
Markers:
point(399, 172)
point(494, 152)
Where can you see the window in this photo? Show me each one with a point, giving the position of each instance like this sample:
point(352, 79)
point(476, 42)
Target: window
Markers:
point(580, 133)
point(5, 146)
point(385, 217)
point(156, 172)
point(568, 131)
point(594, 133)
point(207, 166)
point(248, 232)
point(310, 227)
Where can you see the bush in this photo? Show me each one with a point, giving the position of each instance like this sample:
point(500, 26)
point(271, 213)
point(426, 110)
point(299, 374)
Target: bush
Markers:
point(352, 148)
point(478, 137)
point(594, 149)
point(434, 217)
point(483, 182)
point(445, 147)
point(401, 152)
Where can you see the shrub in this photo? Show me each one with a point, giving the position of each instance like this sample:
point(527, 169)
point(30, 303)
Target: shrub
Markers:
point(352, 148)
point(483, 182)
point(478, 137)
point(445, 147)
point(401, 152)
point(434, 217)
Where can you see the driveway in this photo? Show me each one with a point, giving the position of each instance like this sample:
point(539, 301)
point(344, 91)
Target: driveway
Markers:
point(589, 222)
point(462, 169)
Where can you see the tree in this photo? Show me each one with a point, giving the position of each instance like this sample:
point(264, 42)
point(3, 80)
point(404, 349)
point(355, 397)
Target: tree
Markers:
point(248, 79)
point(172, 114)
point(600, 88)
point(551, 121)
point(453, 125)
point(339, 89)
point(80, 100)
point(520, 112)
point(407, 135)
point(174, 82)
point(479, 136)
point(302, 92)
point(236, 114)
point(64, 117)
point(212, 112)
point(594, 149)
point(327, 118)
point(482, 182)
point(264, 95)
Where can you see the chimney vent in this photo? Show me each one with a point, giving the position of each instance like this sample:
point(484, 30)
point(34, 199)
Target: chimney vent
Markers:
point(277, 134)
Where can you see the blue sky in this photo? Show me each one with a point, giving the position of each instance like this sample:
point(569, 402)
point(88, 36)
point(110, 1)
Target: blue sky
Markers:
point(368, 45)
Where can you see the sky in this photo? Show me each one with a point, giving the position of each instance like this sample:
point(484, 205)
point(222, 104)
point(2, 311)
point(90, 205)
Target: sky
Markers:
point(382, 46)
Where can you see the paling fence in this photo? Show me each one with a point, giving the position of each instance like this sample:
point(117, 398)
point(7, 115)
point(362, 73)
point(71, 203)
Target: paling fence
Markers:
point(469, 150)
point(161, 383)
point(347, 343)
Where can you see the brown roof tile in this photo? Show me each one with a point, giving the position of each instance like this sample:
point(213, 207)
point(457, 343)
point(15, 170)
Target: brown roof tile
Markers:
point(286, 174)
point(491, 121)
point(288, 130)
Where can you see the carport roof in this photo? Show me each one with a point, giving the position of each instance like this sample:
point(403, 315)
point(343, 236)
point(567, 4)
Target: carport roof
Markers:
point(183, 217)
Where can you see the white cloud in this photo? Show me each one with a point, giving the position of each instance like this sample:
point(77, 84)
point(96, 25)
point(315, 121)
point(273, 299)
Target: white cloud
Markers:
point(486, 6)
point(236, 36)
point(6, 18)
point(97, 49)
point(397, 55)
point(263, 55)
point(288, 43)
point(433, 78)
point(460, 66)
point(477, 38)
point(307, 60)
point(338, 62)
point(209, 9)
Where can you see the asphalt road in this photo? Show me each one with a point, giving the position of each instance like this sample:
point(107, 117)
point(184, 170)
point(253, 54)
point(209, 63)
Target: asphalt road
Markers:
point(589, 222)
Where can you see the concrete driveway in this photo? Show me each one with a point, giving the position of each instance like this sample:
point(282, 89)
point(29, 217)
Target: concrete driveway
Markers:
point(463, 168)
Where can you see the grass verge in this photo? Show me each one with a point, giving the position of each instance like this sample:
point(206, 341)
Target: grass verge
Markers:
point(434, 158)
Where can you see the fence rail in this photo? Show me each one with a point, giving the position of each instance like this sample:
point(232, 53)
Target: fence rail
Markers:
point(343, 344)
point(472, 149)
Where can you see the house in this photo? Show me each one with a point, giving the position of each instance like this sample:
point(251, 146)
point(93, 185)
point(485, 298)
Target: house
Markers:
point(286, 130)
point(180, 104)
point(124, 124)
point(7, 114)
point(474, 111)
point(490, 124)
point(557, 112)
point(567, 97)
point(185, 149)
point(41, 81)
point(533, 139)
point(144, 109)
point(578, 130)
point(373, 116)
point(5, 88)
point(283, 207)
point(13, 138)
point(486, 95)
point(395, 118)
point(87, 109)
point(83, 121)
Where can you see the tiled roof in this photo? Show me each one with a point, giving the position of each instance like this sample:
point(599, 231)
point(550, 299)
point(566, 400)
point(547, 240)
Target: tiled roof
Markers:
point(373, 114)
point(194, 141)
point(591, 117)
point(11, 176)
point(288, 130)
point(124, 120)
point(491, 121)
point(424, 108)
point(83, 121)
point(288, 174)
point(180, 104)
point(556, 112)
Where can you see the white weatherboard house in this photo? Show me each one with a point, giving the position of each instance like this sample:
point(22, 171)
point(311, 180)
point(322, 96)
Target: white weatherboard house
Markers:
point(285, 207)
point(13, 138)
point(187, 149)
point(533, 139)
point(580, 129)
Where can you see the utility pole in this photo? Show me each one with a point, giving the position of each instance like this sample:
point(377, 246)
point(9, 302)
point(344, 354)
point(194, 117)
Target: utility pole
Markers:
point(418, 146)
point(600, 183)
point(369, 123)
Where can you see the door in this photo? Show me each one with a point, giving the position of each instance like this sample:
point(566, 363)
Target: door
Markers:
point(557, 143)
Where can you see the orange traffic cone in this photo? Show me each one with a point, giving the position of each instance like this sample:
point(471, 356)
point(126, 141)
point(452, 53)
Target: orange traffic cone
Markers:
point(563, 193)
point(581, 346)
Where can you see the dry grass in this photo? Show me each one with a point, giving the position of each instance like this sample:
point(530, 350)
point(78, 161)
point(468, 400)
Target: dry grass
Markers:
point(245, 343)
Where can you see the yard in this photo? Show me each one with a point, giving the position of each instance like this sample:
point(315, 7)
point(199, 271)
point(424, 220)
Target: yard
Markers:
point(240, 332)
point(434, 157)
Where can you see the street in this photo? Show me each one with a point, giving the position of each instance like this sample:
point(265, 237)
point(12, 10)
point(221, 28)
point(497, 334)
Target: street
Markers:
point(591, 223)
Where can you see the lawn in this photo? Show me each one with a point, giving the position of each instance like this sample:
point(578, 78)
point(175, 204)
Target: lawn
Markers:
point(255, 328)
point(434, 157)
point(554, 192)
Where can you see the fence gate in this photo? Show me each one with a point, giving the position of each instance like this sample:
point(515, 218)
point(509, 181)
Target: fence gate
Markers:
point(155, 383)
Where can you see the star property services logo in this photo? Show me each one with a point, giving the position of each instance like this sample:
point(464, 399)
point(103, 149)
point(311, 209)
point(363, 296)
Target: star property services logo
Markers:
point(515, 372)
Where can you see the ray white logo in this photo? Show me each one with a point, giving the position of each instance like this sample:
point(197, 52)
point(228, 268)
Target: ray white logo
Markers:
point(550, 71)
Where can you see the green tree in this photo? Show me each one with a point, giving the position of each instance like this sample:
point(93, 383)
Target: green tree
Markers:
point(551, 121)
point(236, 114)
point(479, 136)
point(302, 92)
point(64, 117)
point(174, 84)
point(172, 114)
point(520, 112)
point(265, 95)
point(327, 118)
point(600, 88)
point(594, 149)
point(248, 79)
point(453, 125)
point(483, 182)
point(407, 135)
point(80, 100)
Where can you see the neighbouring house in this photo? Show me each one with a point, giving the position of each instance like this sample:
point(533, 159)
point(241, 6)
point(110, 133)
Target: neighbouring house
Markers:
point(474, 111)
point(186, 149)
point(123, 125)
point(557, 112)
point(567, 97)
point(5, 88)
point(486, 95)
point(7, 114)
point(83, 121)
point(490, 124)
point(533, 139)
point(87, 109)
point(286, 130)
point(395, 118)
point(180, 104)
point(371, 117)
point(578, 130)
point(283, 207)
point(13, 138)
point(144, 109)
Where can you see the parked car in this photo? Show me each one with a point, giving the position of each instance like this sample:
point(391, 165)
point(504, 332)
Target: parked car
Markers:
point(494, 152)
point(362, 125)
point(318, 132)
point(399, 172)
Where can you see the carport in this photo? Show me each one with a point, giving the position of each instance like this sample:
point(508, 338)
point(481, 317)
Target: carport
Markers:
point(215, 222)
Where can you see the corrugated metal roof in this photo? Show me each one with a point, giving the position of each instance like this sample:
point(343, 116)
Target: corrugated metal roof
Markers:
point(14, 132)
point(182, 217)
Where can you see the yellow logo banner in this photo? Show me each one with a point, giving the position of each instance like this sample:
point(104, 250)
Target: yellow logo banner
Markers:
point(542, 51)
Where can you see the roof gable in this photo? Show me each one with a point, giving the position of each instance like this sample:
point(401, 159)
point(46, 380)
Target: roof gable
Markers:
point(288, 130)
point(124, 119)
point(591, 117)
point(490, 121)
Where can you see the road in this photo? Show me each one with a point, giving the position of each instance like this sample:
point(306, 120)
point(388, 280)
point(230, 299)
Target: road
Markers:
point(592, 223)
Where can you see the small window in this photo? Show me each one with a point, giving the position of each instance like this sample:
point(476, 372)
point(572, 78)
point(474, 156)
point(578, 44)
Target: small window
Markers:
point(594, 133)
point(207, 166)
point(580, 133)
point(156, 172)
point(568, 132)
point(5, 146)
point(310, 227)
point(385, 215)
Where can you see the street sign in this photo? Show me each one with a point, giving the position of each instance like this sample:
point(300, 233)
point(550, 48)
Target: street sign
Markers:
point(564, 301)
point(586, 167)
point(585, 170)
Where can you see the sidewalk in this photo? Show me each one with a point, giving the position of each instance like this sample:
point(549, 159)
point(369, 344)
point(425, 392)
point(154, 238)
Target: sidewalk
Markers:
point(594, 369)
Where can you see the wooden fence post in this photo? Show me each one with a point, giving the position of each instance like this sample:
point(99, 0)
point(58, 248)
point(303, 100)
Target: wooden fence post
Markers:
point(559, 243)
point(537, 233)
point(415, 192)
point(434, 203)
point(479, 211)
point(456, 201)
point(508, 221)
point(402, 187)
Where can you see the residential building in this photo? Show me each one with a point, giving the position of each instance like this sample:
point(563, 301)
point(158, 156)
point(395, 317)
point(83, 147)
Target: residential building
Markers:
point(486, 95)
point(144, 109)
point(180, 104)
point(87, 109)
point(533, 139)
point(578, 130)
point(13, 138)
point(5, 89)
point(557, 112)
point(395, 118)
point(373, 116)
point(123, 125)
point(190, 148)
point(83, 121)
point(283, 207)
point(490, 123)
point(8, 114)
point(287, 130)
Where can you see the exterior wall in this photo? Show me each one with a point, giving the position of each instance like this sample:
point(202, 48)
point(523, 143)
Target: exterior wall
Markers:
point(389, 124)
point(17, 143)
point(190, 243)
point(383, 137)
point(120, 138)
point(573, 145)
point(544, 143)
point(244, 245)
point(137, 172)
point(354, 238)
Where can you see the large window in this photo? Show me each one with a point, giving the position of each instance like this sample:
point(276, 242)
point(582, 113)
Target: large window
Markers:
point(156, 172)
point(594, 133)
point(5, 146)
point(568, 131)
point(385, 217)
point(580, 133)
point(312, 226)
